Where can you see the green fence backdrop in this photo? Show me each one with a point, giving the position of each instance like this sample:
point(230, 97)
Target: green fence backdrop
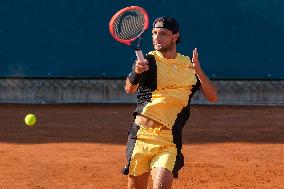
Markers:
point(240, 39)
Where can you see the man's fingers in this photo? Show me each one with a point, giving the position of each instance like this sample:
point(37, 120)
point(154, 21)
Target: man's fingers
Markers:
point(195, 55)
point(146, 67)
point(195, 51)
point(141, 67)
point(138, 62)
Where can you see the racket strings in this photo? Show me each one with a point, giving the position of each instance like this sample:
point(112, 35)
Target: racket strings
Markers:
point(129, 25)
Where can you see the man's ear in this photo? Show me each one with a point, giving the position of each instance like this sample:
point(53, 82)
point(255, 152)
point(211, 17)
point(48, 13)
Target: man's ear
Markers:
point(176, 36)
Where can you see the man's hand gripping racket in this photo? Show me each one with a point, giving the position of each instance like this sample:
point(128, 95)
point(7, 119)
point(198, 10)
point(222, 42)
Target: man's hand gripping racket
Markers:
point(128, 25)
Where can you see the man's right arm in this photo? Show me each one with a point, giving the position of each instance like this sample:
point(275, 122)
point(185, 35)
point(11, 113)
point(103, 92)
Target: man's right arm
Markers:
point(130, 88)
point(133, 79)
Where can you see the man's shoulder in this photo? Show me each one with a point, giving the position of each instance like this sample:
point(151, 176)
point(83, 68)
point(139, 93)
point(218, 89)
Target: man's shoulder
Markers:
point(150, 56)
point(183, 58)
point(151, 53)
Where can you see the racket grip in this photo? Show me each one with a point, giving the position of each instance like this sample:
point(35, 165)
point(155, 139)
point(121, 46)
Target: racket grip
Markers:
point(140, 56)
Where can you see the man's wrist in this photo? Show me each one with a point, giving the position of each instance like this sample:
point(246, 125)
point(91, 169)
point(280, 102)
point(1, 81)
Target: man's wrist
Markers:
point(198, 71)
point(134, 78)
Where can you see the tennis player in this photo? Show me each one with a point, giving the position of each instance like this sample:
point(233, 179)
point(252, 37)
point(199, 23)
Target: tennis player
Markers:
point(164, 84)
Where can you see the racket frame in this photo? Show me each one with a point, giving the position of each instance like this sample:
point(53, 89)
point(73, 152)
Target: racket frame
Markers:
point(129, 41)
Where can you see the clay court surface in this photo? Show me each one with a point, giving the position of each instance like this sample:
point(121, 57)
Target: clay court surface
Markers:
point(83, 146)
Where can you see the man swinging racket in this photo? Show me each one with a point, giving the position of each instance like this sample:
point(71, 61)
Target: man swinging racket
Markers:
point(165, 83)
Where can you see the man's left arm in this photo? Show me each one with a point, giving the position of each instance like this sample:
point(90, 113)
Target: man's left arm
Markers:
point(208, 88)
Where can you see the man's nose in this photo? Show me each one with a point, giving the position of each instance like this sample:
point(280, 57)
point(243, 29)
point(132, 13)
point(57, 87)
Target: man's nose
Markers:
point(157, 36)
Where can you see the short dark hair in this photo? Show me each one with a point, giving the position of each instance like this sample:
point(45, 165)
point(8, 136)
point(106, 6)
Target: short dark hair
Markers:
point(169, 23)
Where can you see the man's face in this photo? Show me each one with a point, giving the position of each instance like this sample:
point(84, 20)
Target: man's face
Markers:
point(163, 39)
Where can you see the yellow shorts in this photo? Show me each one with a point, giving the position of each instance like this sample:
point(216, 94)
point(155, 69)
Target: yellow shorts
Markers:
point(149, 148)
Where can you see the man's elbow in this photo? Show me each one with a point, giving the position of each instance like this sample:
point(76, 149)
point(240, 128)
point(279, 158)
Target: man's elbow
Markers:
point(213, 99)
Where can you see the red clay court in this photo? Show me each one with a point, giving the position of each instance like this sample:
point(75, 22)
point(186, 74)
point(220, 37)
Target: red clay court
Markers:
point(83, 146)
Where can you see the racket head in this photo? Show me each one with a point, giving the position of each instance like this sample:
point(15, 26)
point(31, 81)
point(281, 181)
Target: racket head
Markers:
point(128, 24)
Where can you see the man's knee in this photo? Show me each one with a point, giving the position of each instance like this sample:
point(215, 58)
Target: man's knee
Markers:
point(162, 178)
point(138, 182)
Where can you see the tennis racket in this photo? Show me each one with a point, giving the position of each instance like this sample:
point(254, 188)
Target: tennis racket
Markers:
point(128, 25)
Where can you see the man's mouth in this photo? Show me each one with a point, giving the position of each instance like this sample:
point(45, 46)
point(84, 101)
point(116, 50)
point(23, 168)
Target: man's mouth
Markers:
point(158, 44)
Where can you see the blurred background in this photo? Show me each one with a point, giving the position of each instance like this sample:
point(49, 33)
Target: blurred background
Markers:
point(60, 51)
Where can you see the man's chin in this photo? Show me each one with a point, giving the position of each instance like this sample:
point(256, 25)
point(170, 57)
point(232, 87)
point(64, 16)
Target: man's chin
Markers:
point(158, 48)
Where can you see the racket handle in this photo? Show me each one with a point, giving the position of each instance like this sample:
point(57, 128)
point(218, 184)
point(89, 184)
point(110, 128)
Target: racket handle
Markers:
point(140, 56)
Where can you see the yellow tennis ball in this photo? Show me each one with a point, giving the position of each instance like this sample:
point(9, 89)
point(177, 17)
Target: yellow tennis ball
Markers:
point(30, 119)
